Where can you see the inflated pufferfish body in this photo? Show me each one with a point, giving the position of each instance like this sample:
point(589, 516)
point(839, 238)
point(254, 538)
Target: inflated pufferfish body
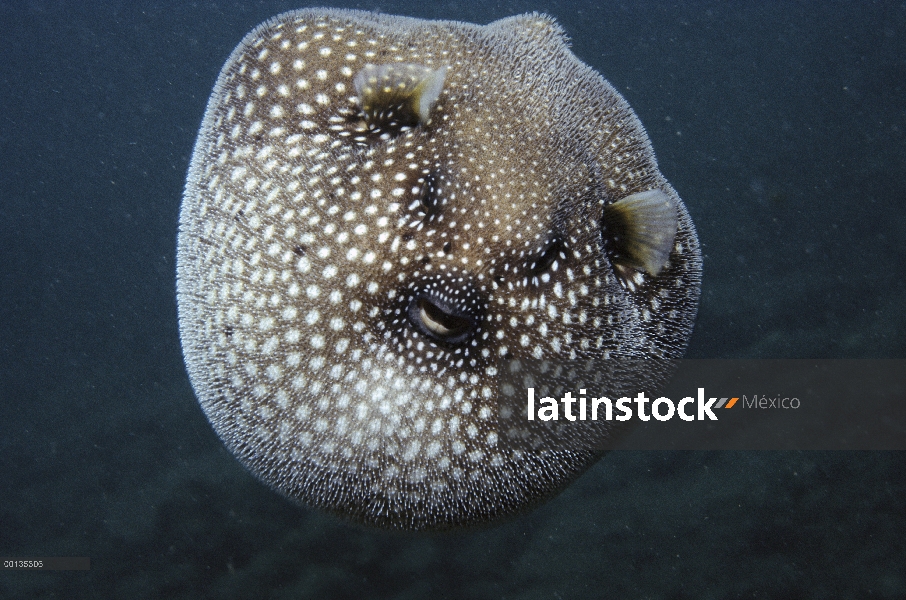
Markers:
point(383, 215)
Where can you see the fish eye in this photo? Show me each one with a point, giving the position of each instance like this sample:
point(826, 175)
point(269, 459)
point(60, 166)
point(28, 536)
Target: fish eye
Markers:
point(429, 198)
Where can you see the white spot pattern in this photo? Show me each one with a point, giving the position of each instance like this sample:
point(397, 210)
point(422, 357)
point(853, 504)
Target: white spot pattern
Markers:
point(352, 292)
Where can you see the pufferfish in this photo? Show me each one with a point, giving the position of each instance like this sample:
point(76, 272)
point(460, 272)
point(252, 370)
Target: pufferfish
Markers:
point(392, 224)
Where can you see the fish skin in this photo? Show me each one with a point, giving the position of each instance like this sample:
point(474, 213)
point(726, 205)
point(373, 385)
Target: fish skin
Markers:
point(351, 290)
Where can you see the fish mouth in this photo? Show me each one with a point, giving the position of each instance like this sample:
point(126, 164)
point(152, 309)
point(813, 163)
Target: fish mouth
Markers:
point(440, 321)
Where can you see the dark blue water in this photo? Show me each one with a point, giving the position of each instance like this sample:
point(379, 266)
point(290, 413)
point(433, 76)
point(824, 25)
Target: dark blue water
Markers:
point(781, 124)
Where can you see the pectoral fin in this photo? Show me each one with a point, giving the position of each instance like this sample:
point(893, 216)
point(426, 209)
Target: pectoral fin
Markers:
point(398, 93)
point(639, 230)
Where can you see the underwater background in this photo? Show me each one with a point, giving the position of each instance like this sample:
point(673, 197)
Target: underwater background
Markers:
point(781, 124)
